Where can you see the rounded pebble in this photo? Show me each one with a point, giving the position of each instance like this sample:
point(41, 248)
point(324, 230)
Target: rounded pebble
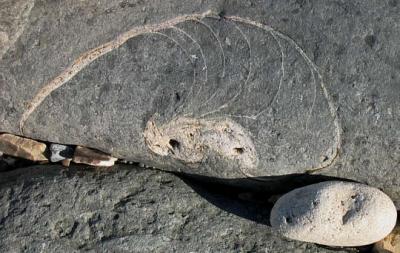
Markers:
point(335, 213)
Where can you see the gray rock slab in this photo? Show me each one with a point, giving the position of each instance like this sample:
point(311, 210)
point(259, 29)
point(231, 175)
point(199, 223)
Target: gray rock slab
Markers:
point(314, 84)
point(129, 209)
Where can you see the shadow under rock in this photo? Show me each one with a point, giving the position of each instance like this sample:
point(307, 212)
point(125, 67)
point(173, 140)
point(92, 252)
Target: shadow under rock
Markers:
point(250, 198)
point(253, 198)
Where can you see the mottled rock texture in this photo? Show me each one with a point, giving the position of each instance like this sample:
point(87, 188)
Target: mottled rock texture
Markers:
point(50, 209)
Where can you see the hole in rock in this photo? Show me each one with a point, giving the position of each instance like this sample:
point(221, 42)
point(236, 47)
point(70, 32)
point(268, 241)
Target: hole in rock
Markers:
point(221, 14)
point(239, 150)
point(174, 144)
point(177, 97)
point(288, 219)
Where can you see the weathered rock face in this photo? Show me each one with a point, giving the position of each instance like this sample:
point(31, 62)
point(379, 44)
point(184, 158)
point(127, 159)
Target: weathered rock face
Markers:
point(335, 213)
point(127, 210)
point(313, 84)
point(14, 16)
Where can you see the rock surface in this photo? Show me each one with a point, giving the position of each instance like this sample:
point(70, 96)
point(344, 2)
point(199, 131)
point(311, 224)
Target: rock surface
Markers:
point(329, 100)
point(337, 87)
point(335, 213)
point(50, 209)
point(22, 147)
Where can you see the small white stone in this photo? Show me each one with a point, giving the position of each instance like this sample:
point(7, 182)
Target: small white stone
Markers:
point(335, 213)
point(60, 152)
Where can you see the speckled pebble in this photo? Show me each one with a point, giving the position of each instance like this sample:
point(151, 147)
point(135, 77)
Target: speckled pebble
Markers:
point(335, 213)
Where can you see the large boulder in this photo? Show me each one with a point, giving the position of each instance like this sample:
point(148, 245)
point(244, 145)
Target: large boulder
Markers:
point(129, 209)
point(224, 89)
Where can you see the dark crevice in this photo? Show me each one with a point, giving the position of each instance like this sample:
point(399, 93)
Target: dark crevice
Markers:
point(253, 198)
point(239, 150)
point(8, 163)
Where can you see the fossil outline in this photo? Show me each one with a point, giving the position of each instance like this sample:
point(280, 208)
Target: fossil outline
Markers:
point(89, 56)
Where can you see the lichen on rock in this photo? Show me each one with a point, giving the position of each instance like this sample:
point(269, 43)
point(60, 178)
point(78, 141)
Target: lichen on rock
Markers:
point(191, 140)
